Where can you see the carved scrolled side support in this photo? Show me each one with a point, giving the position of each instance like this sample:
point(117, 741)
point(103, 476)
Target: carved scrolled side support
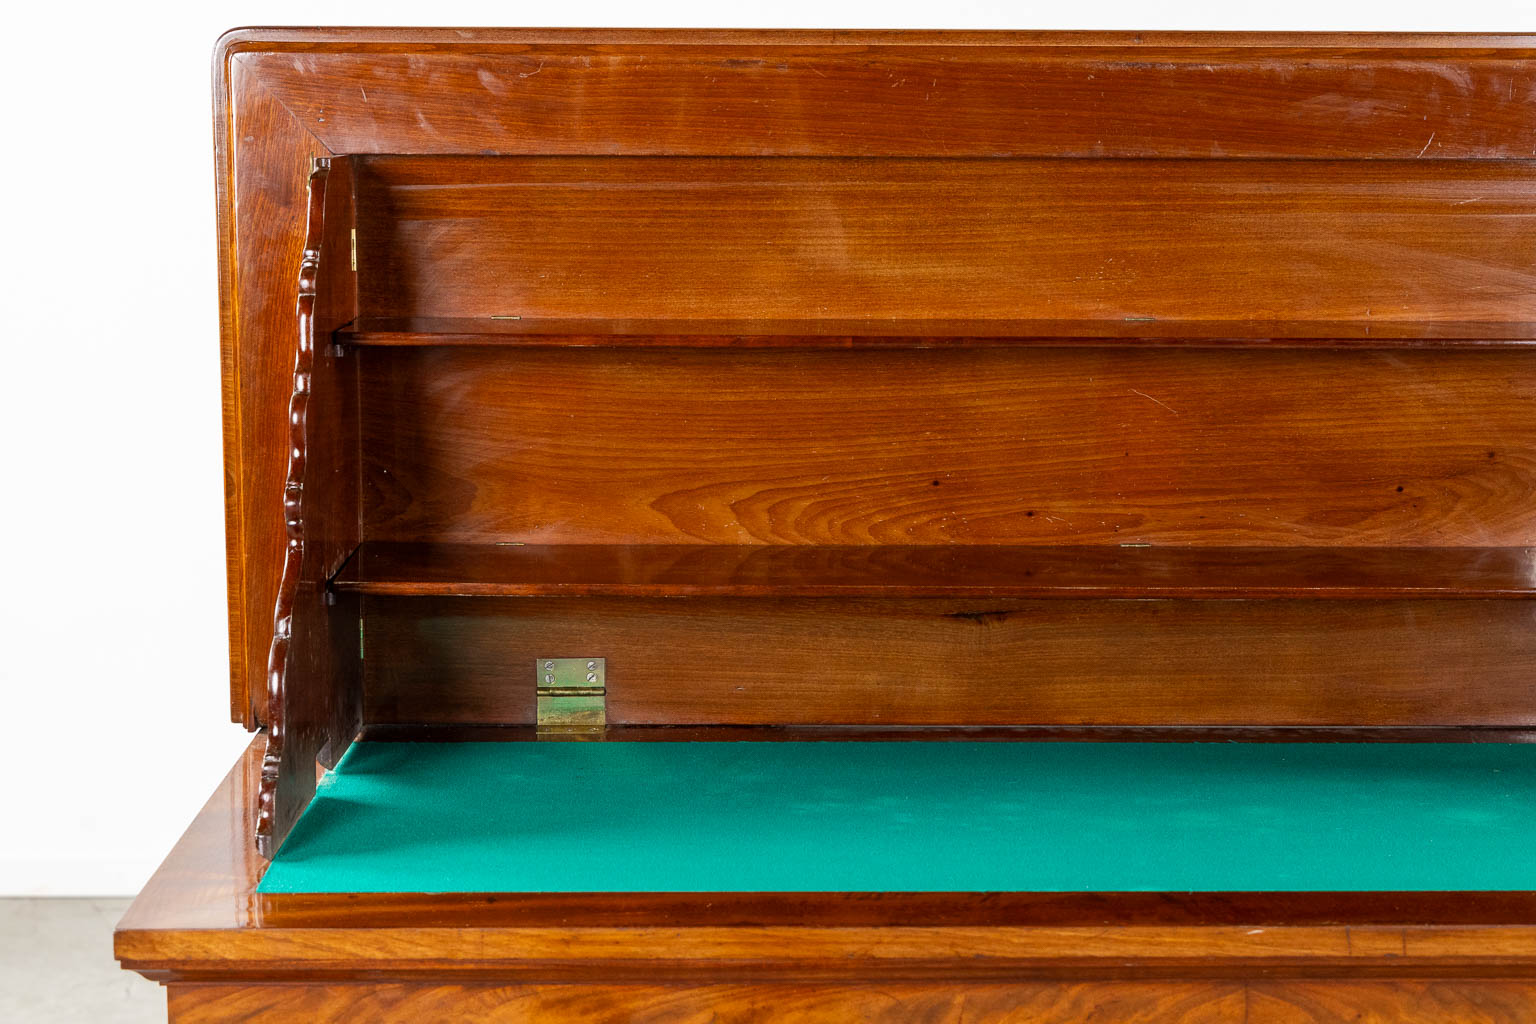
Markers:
point(278, 659)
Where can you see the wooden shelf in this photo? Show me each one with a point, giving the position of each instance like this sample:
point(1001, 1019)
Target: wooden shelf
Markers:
point(681, 570)
point(534, 332)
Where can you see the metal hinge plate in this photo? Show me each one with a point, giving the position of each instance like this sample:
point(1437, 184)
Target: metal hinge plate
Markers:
point(572, 695)
point(354, 250)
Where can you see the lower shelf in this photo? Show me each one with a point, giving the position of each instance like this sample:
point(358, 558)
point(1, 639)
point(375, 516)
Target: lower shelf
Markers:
point(953, 816)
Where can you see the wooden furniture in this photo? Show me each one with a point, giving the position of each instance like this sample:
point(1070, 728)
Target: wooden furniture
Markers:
point(872, 386)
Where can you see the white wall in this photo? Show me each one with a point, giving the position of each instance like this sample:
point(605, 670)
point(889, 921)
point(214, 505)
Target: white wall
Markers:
point(113, 699)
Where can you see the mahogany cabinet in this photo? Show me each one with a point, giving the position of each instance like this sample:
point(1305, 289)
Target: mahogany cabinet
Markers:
point(810, 526)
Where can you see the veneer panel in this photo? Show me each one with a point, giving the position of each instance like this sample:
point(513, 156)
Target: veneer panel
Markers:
point(758, 661)
point(1103, 94)
point(1405, 1002)
point(388, 568)
point(1126, 1002)
point(1080, 240)
point(1227, 294)
point(822, 332)
point(1048, 447)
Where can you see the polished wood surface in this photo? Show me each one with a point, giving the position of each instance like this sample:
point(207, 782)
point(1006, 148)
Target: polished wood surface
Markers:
point(1102, 1002)
point(864, 93)
point(822, 332)
point(283, 96)
point(975, 446)
point(313, 704)
point(957, 661)
point(413, 732)
point(263, 160)
point(396, 569)
point(200, 919)
point(1075, 240)
point(898, 1003)
point(850, 439)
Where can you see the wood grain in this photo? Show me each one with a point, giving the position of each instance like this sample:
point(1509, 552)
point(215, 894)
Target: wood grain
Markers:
point(282, 96)
point(1111, 240)
point(705, 661)
point(427, 732)
point(388, 568)
point(262, 160)
point(199, 918)
point(1315, 275)
point(1378, 922)
point(824, 332)
point(313, 705)
point(1050, 447)
point(1020, 1003)
point(1426, 1002)
point(536, 91)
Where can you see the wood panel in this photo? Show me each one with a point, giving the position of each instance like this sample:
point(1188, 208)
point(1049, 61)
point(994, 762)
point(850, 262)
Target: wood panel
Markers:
point(1125, 1002)
point(1407, 1002)
point(1051, 447)
point(1188, 240)
point(427, 732)
point(823, 332)
point(1379, 922)
point(953, 570)
point(1125, 94)
point(284, 95)
point(263, 161)
point(946, 662)
point(313, 692)
point(1122, 1002)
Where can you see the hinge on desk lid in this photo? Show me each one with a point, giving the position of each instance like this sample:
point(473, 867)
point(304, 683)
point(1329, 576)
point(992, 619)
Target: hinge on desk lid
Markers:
point(572, 696)
point(354, 250)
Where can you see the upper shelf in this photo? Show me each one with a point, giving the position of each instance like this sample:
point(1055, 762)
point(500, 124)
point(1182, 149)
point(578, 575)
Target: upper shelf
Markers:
point(537, 332)
point(687, 570)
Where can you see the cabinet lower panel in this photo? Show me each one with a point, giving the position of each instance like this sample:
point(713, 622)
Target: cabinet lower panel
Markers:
point(1101, 1002)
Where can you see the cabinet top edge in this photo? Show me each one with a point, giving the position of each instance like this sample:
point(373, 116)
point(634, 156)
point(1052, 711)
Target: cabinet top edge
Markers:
point(344, 38)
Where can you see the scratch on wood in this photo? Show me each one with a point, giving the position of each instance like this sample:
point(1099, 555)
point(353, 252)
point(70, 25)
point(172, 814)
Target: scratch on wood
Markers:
point(1149, 398)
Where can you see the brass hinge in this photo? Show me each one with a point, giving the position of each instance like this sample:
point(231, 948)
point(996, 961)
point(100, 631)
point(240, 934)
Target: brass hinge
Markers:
point(572, 696)
point(354, 250)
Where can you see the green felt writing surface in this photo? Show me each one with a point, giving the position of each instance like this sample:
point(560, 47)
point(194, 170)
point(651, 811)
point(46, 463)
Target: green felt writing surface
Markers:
point(916, 816)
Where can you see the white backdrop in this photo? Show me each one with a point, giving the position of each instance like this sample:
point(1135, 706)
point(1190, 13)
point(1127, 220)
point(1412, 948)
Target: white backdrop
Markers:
point(113, 696)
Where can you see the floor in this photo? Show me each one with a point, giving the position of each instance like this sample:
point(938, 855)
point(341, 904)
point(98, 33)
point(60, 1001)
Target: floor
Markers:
point(56, 965)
